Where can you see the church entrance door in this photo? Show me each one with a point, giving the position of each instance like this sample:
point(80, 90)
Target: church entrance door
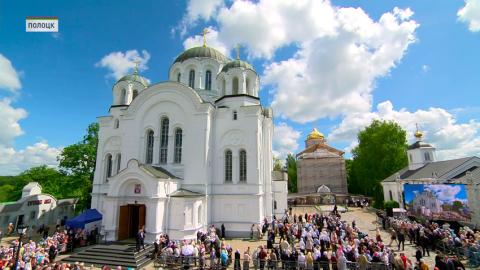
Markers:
point(132, 218)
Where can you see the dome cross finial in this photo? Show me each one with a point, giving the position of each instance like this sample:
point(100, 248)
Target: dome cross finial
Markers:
point(205, 32)
point(135, 69)
point(237, 47)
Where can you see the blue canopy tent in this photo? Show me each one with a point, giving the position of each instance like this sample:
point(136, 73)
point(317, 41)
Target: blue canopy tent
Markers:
point(85, 218)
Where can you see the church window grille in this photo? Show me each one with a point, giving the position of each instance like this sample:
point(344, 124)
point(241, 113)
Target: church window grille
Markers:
point(116, 124)
point(134, 94)
point(149, 153)
point(208, 80)
point(191, 78)
point(119, 161)
point(235, 115)
point(179, 76)
point(243, 166)
point(164, 140)
point(178, 146)
point(123, 97)
point(228, 166)
point(235, 86)
point(109, 166)
point(427, 156)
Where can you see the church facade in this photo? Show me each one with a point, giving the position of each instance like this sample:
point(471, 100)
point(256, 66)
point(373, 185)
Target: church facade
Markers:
point(177, 156)
point(320, 166)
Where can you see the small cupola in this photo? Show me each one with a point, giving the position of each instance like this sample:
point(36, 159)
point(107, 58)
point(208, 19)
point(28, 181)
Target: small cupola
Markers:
point(420, 153)
point(238, 77)
point(315, 137)
point(127, 88)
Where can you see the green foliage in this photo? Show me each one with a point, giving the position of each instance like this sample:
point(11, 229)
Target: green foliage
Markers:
point(78, 162)
point(277, 164)
point(291, 163)
point(380, 153)
point(391, 204)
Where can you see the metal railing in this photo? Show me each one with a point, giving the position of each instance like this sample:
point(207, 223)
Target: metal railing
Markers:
point(190, 262)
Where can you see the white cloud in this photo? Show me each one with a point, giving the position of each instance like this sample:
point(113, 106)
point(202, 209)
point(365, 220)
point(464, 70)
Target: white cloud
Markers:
point(9, 77)
point(470, 14)
point(9, 126)
point(445, 193)
point(285, 140)
point(440, 127)
point(212, 41)
point(121, 63)
point(13, 162)
point(202, 9)
point(335, 74)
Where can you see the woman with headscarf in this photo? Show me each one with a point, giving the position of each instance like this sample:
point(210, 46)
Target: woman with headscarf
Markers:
point(236, 263)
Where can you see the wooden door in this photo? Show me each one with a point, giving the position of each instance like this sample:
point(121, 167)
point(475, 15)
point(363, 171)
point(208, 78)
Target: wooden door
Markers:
point(123, 223)
point(141, 216)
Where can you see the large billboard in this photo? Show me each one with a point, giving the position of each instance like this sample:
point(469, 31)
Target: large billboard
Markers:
point(438, 201)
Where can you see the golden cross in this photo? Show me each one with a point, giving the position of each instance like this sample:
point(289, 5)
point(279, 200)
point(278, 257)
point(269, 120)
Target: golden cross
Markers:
point(238, 51)
point(416, 124)
point(205, 31)
point(135, 69)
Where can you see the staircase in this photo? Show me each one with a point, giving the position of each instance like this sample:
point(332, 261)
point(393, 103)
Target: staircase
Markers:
point(113, 255)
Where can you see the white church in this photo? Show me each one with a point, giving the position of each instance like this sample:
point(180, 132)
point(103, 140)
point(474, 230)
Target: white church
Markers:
point(177, 156)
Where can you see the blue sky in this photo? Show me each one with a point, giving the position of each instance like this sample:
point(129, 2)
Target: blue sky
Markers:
point(446, 193)
point(408, 61)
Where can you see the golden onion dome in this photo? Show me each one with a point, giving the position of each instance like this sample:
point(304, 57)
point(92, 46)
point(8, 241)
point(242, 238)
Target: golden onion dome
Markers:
point(418, 134)
point(315, 134)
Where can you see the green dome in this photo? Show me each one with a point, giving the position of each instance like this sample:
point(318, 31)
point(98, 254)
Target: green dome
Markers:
point(202, 51)
point(237, 64)
point(134, 78)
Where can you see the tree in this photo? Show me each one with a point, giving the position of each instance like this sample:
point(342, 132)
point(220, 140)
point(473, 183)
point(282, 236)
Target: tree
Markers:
point(381, 151)
point(277, 164)
point(291, 163)
point(78, 162)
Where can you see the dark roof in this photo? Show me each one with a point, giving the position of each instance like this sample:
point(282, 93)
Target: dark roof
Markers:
point(69, 201)
point(239, 95)
point(11, 207)
point(159, 172)
point(202, 51)
point(437, 168)
point(474, 174)
point(185, 193)
point(237, 64)
point(419, 144)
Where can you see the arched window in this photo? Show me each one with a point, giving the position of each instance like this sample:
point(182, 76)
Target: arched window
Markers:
point(427, 156)
point(178, 146)
point(275, 205)
point(179, 76)
point(149, 152)
point(134, 94)
point(410, 156)
point(391, 195)
point(108, 169)
point(116, 124)
point(234, 115)
point(208, 80)
point(235, 86)
point(247, 85)
point(228, 166)
point(119, 162)
point(164, 140)
point(191, 78)
point(243, 166)
point(123, 97)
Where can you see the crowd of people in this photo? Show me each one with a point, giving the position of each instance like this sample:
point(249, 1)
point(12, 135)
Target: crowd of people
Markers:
point(41, 254)
point(313, 241)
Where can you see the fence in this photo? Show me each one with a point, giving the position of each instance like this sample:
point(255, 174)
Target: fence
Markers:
point(191, 262)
